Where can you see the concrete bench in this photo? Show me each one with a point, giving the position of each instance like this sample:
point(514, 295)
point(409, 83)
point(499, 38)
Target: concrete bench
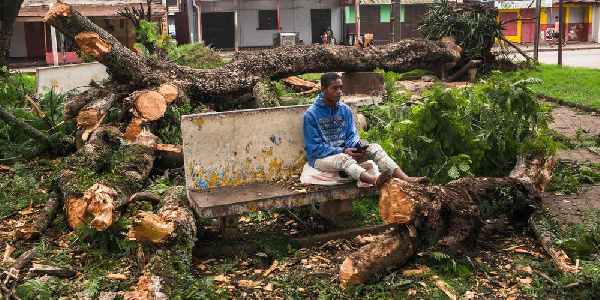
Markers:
point(242, 161)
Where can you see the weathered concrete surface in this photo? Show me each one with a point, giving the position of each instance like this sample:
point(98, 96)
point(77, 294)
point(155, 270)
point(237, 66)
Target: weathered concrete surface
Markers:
point(231, 148)
point(65, 78)
point(368, 83)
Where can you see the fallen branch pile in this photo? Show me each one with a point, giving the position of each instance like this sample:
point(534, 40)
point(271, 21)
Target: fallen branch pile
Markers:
point(456, 208)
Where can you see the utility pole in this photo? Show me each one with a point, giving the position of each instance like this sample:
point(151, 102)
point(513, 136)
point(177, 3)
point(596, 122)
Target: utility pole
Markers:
point(189, 6)
point(395, 22)
point(536, 41)
point(561, 31)
point(392, 21)
point(236, 41)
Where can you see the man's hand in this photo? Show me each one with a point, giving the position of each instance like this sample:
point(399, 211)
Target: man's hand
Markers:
point(351, 152)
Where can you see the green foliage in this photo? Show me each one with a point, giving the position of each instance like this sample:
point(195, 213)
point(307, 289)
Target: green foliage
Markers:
point(568, 177)
point(581, 240)
point(39, 289)
point(197, 56)
point(12, 99)
point(474, 27)
point(365, 212)
point(111, 240)
point(26, 185)
point(168, 128)
point(151, 42)
point(448, 265)
point(12, 88)
point(188, 287)
point(474, 131)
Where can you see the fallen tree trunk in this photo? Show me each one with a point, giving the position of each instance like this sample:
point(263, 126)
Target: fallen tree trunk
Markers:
point(117, 171)
point(168, 238)
point(222, 86)
point(455, 209)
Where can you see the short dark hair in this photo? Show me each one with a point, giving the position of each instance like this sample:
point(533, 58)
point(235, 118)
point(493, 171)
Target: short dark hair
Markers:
point(327, 78)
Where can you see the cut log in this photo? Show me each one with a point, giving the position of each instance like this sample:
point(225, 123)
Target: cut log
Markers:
point(169, 92)
point(151, 105)
point(110, 93)
point(169, 156)
point(135, 128)
point(456, 208)
point(93, 45)
point(150, 227)
point(222, 86)
point(390, 249)
point(98, 204)
point(173, 255)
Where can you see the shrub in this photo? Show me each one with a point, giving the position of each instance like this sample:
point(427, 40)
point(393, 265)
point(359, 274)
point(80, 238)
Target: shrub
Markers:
point(474, 131)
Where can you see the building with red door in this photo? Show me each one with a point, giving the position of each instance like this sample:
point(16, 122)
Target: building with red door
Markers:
point(519, 19)
point(31, 36)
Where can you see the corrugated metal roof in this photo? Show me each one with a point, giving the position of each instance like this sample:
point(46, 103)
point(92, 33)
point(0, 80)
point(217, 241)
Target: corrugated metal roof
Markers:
point(88, 10)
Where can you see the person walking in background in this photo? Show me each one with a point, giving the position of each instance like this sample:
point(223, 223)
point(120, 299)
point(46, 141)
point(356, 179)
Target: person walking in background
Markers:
point(557, 33)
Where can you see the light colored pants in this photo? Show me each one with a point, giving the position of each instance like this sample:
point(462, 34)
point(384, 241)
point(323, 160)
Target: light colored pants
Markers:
point(346, 163)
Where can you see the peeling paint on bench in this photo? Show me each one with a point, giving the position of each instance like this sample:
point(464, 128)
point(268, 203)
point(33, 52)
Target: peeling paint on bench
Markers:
point(232, 148)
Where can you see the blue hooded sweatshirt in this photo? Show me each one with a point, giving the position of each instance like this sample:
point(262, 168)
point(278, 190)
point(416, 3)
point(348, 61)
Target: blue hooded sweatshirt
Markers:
point(328, 130)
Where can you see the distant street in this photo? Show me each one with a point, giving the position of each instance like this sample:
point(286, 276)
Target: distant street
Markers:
point(576, 58)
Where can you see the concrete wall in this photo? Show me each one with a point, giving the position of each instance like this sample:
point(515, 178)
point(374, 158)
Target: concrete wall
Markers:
point(294, 17)
point(69, 77)
point(17, 41)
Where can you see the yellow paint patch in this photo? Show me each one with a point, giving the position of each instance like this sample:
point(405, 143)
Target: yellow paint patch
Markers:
point(198, 121)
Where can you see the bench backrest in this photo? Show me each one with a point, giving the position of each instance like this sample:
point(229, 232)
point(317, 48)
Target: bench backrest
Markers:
point(243, 146)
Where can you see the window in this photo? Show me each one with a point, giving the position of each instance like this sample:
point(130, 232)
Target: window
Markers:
point(267, 19)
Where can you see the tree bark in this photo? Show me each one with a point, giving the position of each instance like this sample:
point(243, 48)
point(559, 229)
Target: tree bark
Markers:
point(222, 86)
point(99, 178)
point(25, 128)
point(9, 10)
point(171, 255)
point(456, 209)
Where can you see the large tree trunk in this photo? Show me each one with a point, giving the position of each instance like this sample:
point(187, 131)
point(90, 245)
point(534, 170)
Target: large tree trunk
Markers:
point(9, 10)
point(222, 86)
point(455, 210)
point(168, 238)
point(98, 180)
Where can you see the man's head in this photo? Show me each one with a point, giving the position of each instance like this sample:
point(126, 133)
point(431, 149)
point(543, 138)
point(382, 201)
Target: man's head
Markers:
point(556, 18)
point(331, 87)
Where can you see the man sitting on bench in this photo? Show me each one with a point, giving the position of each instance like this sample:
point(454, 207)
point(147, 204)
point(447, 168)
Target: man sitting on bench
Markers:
point(331, 139)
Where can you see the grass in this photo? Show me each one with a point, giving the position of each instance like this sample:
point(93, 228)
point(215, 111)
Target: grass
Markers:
point(574, 85)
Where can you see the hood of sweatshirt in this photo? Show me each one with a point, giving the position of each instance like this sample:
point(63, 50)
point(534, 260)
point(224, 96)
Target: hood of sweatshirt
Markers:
point(321, 105)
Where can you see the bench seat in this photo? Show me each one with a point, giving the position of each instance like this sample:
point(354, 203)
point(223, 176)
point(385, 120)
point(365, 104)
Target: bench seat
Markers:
point(258, 196)
point(248, 160)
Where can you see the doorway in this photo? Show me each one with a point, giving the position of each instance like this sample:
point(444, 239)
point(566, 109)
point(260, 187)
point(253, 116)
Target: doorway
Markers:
point(218, 29)
point(319, 20)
